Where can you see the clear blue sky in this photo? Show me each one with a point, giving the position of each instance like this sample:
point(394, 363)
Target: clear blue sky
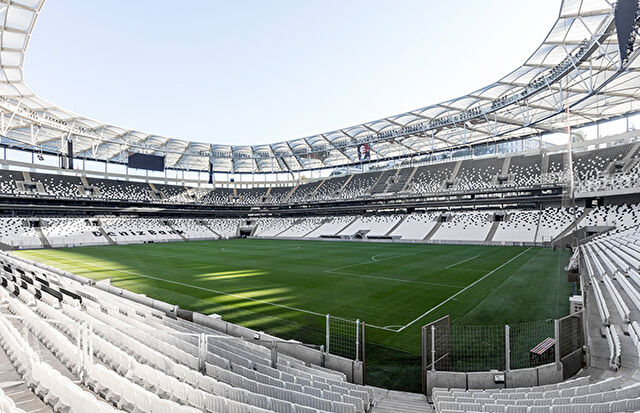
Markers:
point(261, 71)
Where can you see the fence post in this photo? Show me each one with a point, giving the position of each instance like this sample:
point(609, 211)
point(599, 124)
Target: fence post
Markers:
point(557, 345)
point(423, 352)
point(364, 355)
point(507, 348)
point(327, 335)
point(357, 339)
point(433, 347)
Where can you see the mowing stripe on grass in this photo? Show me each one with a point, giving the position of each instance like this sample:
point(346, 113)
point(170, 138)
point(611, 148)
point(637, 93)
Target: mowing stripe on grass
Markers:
point(302, 310)
point(460, 262)
point(463, 290)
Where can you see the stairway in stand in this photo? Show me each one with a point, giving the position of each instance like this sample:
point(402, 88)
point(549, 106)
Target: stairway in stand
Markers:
point(391, 401)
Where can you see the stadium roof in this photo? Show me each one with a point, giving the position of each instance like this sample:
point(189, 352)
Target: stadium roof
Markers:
point(578, 65)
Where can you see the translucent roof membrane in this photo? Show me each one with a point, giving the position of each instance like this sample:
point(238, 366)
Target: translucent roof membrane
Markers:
point(577, 64)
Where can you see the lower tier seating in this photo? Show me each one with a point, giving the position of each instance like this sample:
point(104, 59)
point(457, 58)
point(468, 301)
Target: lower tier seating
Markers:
point(130, 357)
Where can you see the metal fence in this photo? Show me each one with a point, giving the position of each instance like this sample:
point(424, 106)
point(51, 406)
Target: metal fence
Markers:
point(344, 337)
point(457, 348)
point(523, 337)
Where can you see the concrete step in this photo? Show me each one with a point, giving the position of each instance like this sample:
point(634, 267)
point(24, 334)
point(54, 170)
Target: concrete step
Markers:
point(433, 231)
point(396, 401)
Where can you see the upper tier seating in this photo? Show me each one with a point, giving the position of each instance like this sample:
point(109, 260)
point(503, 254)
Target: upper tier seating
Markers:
point(591, 164)
point(122, 191)
point(8, 181)
point(524, 170)
point(59, 185)
point(430, 178)
point(360, 185)
point(611, 167)
point(476, 174)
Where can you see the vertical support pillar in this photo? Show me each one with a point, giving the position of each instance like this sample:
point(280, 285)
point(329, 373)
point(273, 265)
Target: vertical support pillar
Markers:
point(327, 334)
point(557, 345)
point(507, 348)
point(357, 339)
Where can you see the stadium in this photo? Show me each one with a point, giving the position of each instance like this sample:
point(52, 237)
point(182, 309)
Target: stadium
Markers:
point(453, 258)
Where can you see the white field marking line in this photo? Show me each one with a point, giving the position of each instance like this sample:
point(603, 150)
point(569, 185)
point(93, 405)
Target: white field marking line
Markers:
point(463, 290)
point(463, 261)
point(302, 310)
point(373, 259)
point(401, 280)
point(370, 261)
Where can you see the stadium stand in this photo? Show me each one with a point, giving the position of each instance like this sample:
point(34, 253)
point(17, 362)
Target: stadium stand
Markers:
point(478, 170)
point(301, 227)
point(614, 166)
point(464, 226)
point(491, 226)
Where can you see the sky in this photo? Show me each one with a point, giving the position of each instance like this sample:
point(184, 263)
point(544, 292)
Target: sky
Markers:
point(248, 72)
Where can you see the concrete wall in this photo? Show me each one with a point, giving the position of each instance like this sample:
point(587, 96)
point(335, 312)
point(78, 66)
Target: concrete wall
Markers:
point(521, 378)
point(530, 377)
point(484, 380)
point(446, 380)
point(549, 374)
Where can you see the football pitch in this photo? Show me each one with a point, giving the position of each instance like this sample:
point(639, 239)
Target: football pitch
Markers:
point(287, 287)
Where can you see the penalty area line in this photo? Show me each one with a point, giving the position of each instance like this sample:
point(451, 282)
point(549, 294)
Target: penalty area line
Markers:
point(460, 262)
point(463, 290)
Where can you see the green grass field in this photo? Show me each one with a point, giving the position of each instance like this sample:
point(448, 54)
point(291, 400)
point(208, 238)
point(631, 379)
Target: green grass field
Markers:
point(286, 287)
